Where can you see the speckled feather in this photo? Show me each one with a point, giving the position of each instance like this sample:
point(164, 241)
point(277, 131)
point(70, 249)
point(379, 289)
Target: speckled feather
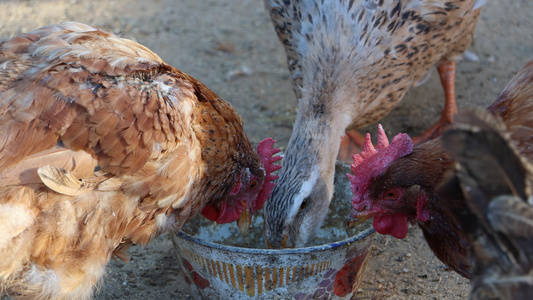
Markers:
point(374, 49)
point(150, 145)
point(351, 62)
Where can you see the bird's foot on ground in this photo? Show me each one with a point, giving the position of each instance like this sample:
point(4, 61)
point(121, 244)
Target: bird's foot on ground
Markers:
point(351, 143)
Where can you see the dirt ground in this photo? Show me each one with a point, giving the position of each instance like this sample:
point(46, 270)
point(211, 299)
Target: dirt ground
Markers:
point(231, 47)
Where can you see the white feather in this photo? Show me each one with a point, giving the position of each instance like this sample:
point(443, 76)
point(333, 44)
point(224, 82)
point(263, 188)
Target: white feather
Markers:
point(15, 219)
point(305, 190)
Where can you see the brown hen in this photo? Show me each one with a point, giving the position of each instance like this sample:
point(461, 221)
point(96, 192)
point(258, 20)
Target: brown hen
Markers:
point(102, 146)
point(396, 183)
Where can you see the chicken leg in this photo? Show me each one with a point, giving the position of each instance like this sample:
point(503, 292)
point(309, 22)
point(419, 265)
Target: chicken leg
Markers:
point(447, 78)
point(351, 143)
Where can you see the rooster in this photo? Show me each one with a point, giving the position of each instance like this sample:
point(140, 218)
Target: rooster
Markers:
point(351, 62)
point(396, 184)
point(495, 180)
point(103, 145)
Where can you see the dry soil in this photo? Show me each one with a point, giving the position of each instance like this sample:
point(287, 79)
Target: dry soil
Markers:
point(231, 47)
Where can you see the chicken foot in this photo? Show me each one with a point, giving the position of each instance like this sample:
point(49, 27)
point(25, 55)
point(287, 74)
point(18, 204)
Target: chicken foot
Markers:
point(353, 141)
point(447, 78)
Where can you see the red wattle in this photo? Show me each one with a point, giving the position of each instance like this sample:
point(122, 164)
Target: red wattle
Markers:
point(226, 214)
point(231, 214)
point(395, 225)
point(210, 212)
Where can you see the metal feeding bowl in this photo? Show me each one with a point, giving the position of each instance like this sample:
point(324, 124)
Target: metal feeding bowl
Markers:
point(220, 263)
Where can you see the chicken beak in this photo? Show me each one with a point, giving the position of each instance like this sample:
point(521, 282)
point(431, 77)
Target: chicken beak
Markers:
point(245, 220)
point(356, 218)
point(283, 242)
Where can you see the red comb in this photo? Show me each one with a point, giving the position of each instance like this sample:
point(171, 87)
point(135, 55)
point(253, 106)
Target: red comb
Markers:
point(266, 152)
point(371, 162)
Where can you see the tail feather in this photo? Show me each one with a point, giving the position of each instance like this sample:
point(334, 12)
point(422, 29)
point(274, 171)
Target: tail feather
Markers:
point(495, 180)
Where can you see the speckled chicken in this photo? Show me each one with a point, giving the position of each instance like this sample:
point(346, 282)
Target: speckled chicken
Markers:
point(495, 181)
point(351, 62)
point(102, 146)
point(396, 183)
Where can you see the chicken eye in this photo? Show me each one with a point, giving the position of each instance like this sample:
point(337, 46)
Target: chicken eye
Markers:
point(304, 203)
point(253, 184)
point(391, 195)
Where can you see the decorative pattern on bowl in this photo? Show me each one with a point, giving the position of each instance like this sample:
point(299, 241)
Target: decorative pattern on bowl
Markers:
point(215, 269)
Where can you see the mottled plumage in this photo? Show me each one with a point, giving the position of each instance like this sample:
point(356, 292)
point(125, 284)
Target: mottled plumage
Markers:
point(103, 145)
point(351, 62)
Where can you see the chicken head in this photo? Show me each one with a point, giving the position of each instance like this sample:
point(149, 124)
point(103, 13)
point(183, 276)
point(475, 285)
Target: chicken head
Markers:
point(249, 193)
point(391, 207)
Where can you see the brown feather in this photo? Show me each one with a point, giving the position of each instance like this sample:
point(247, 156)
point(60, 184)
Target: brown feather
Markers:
point(429, 166)
point(120, 139)
point(515, 107)
point(495, 180)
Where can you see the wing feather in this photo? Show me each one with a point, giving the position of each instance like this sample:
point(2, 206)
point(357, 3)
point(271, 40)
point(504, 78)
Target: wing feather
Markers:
point(516, 109)
point(91, 90)
point(496, 183)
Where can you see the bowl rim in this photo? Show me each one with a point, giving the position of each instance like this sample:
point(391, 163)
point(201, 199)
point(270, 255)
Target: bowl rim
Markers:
point(368, 231)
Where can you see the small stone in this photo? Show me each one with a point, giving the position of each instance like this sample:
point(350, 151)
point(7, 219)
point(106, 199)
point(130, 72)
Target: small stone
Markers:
point(470, 56)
